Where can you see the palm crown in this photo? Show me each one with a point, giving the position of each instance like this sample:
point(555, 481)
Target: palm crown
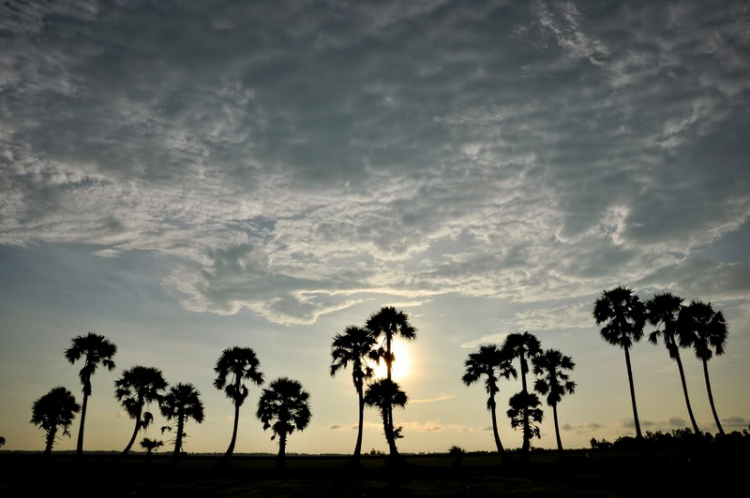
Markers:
point(486, 362)
point(353, 346)
point(389, 323)
point(56, 408)
point(96, 350)
point(284, 406)
point(664, 310)
point(625, 314)
point(703, 329)
point(552, 379)
point(524, 346)
point(182, 400)
point(233, 366)
point(139, 386)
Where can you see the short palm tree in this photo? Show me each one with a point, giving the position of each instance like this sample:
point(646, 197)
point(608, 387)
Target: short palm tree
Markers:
point(384, 394)
point(625, 317)
point(663, 312)
point(489, 362)
point(134, 390)
point(389, 323)
point(181, 403)
point(150, 445)
point(234, 366)
point(354, 346)
point(55, 409)
point(553, 381)
point(525, 347)
point(524, 407)
point(95, 350)
point(703, 329)
point(283, 407)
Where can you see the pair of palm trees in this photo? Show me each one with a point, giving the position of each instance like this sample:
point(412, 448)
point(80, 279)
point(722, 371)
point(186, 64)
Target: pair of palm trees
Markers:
point(357, 345)
point(696, 325)
point(550, 367)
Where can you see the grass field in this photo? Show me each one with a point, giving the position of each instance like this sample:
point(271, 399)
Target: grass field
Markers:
point(581, 473)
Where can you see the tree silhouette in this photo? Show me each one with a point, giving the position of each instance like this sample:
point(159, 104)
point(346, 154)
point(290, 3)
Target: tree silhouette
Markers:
point(283, 407)
point(663, 312)
point(2, 441)
point(625, 315)
point(524, 407)
point(389, 323)
point(703, 329)
point(384, 394)
point(181, 403)
point(134, 390)
point(233, 366)
point(150, 445)
point(354, 346)
point(523, 346)
point(489, 362)
point(95, 350)
point(552, 381)
point(55, 409)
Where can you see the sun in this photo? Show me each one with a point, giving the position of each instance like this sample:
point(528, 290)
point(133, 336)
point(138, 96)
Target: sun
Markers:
point(401, 365)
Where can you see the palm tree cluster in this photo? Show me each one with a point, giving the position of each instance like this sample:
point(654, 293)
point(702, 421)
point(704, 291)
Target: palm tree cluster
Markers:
point(493, 362)
point(695, 325)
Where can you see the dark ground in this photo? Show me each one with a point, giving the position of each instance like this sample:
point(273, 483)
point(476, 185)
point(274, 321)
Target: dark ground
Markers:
point(581, 473)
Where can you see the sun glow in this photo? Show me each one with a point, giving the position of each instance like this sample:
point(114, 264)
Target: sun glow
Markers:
point(401, 364)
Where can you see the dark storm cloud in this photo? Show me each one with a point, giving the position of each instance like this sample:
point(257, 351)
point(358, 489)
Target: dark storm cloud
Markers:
point(297, 156)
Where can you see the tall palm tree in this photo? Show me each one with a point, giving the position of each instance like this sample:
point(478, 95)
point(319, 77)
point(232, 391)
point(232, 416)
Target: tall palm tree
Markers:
point(704, 329)
point(525, 407)
point(524, 346)
point(489, 361)
point(663, 312)
point(354, 346)
point(95, 350)
point(625, 315)
point(55, 409)
point(283, 407)
point(150, 445)
point(389, 323)
point(181, 403)
point(552, 381)
point(384, 394)
point(233, 366)
point(134, 390)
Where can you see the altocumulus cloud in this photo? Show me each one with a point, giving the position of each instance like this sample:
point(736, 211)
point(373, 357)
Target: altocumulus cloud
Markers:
point(293, 158)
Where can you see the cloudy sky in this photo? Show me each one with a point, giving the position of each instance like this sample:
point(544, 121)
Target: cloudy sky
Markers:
point(187, 176)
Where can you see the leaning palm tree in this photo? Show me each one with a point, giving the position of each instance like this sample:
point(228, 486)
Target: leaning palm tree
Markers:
point(625, 315)
point(181, 403)
point(95, 350)
point(233, 366)
point(134, 390)
point(389, 323)
point(552, 381)
point(55, 409)
point(489, 361)
point(150, 445)
point(354, 346)
point(524, 346)
point(704, 329)
point(663, 312)
point(384, 394)
point(525, 407)
point(283, 407)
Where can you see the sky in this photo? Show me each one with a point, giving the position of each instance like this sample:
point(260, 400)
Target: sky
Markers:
point(183, 177)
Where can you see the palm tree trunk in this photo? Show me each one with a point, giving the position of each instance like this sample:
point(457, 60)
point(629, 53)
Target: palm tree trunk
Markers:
point(557, 430)
point(685, 390)
point(230, 450)
point(178, 439)
point(389, 412)
point(50, 440)
point(526, 432)
point(499, 445)
point(711, 397)
point(358, 446)
point(135, 433)
point(79, 447)
point(282, 450)
point(632, 395)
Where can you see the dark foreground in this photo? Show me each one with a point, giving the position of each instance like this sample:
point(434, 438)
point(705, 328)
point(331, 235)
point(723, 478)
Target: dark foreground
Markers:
point(581, 473)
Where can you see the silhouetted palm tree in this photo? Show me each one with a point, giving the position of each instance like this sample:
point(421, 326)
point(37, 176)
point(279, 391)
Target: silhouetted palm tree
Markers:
point(663, 312)
point(552, 381)
point(2, 441)
point(703, 329)
point(384, 394)
point(136, 388)
point(354, 346)
point(525, 347)
point(389, 323)
point(95, 350)
point(150, 445)
point(283, 407)
point(525, 407)
point(181, 403)
point(55, 409)
point(489, 361)
point(239, 364)
point(625, 315)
